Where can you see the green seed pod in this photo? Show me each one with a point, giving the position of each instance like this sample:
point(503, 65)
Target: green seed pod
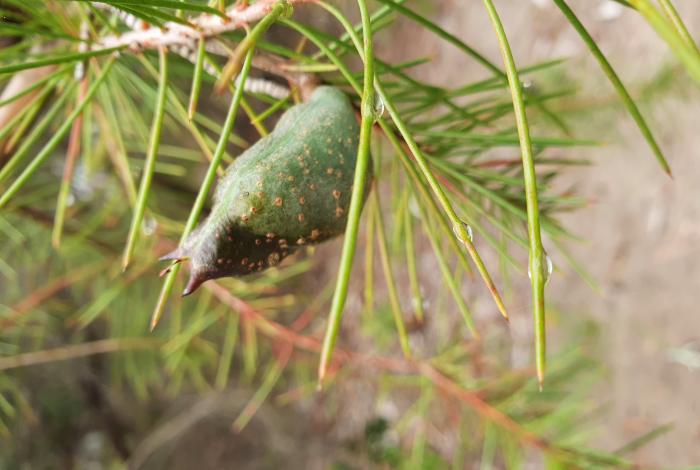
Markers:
point(291, 188)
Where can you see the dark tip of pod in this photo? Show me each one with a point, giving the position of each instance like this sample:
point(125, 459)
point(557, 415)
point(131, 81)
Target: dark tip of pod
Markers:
point(196, 280)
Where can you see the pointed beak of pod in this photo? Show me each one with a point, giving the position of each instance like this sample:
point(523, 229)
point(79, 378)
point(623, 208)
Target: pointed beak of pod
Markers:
point(177, 255)
point(196, 280)
point(196, 277)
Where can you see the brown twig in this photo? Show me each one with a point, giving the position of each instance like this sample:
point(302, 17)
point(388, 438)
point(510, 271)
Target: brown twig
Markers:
point(205, 25)
point(396, 365)
point(49, 290)
point(74, 351)
point(294, 339)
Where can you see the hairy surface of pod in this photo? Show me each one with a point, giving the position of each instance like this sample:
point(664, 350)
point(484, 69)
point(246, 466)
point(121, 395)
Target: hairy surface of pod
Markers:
point(291, 188)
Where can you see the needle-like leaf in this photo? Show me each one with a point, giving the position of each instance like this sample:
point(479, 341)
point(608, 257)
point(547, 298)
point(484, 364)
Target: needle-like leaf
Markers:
point(56, 139)
point(56, 59)
point(197, 79)
point(149, 168)
point(396, 310)
point(537, 255)
point(356, 200)
point(616, 82)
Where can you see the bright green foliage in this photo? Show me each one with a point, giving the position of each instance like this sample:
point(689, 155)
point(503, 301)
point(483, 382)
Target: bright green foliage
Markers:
point(73, 324)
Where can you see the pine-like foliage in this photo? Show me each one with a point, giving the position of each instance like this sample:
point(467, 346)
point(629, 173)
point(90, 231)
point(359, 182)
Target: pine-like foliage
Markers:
point(116, 119)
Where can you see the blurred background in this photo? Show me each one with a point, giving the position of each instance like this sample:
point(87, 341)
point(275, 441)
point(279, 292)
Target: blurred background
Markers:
point(228, 379)
point(641, 227)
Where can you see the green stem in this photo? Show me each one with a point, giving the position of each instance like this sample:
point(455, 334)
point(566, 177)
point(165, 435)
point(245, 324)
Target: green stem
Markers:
point(537, 259)
point(356, 201)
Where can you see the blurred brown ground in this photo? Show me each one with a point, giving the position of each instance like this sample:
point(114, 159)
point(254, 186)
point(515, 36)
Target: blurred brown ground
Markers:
point(643, 229)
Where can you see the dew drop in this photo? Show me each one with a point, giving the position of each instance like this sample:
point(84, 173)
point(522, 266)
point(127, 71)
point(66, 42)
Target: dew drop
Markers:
point(149, 226)
point(530, 87)
point(549, 269)
point(609, 11)
point(379, 108)
point(468, 228)
point(413, 207)
point(416, 303)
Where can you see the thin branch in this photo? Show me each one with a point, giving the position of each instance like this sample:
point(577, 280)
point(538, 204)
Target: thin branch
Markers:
point(39, 295)
point(472, 399)
point(205, 25)
point(74, 351)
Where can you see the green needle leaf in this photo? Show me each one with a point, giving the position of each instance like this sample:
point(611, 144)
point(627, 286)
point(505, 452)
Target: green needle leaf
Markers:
point(537, 256)
point(411, 267)
point(457, 223)
point(55, 139)
point(356, 201)
point(173, 4)
point(197, 79)
point(227, 351)
point(57, 59)
point(149, 168)
point(452, 39)
point(616, 82)
point(38, 131)
point(389, 276)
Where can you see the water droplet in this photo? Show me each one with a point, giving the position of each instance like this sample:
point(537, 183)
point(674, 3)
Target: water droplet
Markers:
point(609, 11)
point(149, 226)
point(530, 87)
point(467, 228)
point(379, 108)
point(427, 305)
point(413, 207)
point(549, 269)
point(416, 302)
point(70, 200)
